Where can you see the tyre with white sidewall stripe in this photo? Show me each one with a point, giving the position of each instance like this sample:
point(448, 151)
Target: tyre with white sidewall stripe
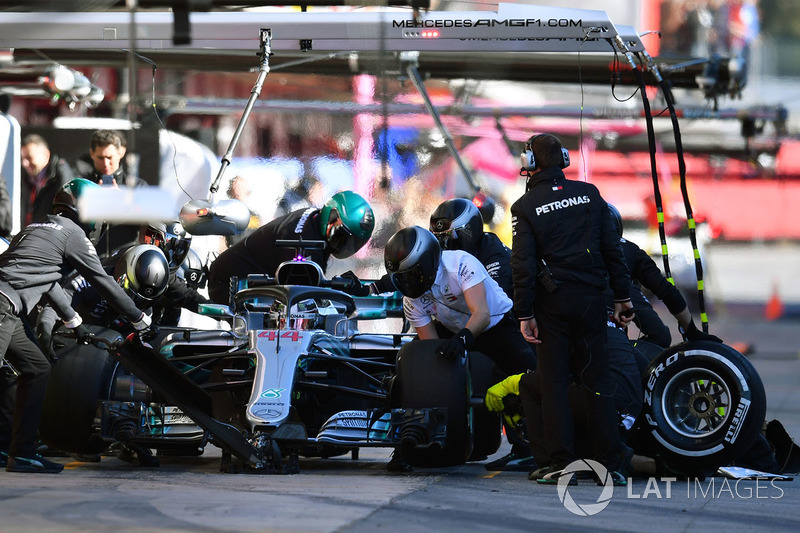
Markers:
point(704, 406)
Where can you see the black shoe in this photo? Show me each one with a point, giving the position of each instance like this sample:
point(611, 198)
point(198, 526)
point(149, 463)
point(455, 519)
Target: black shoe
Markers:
point(398, 464)
point(138, 455)
point(513, 462)
point(3, 458)
point(35, 465)
point(549, 475)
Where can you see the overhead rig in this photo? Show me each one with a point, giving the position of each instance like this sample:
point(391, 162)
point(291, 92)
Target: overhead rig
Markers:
point(512, 28)
point(469, 38)
point(515, 43)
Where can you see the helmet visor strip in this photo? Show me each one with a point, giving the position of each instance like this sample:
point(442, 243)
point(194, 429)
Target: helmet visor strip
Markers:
point(339, 236)
point(154, 237)
point(417, 280)
point(446, 237)
point(451, 239)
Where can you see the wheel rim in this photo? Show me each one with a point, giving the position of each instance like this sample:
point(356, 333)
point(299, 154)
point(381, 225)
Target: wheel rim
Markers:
point(696, 402)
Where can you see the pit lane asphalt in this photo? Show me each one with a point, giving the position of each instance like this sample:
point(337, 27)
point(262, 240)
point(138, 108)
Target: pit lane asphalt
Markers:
point(341, 494)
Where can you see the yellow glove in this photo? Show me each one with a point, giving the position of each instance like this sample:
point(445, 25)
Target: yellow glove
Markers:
point(496, 393)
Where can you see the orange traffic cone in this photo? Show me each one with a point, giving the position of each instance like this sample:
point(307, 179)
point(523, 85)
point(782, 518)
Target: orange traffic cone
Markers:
point(774, 308)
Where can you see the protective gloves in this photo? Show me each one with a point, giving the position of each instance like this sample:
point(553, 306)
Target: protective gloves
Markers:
point(83, 334)
point(691, 333)
point(149, 333)
point(457, 345)
point(383, 285)
point(496, 393)
point(145, 329)
point(355, 288)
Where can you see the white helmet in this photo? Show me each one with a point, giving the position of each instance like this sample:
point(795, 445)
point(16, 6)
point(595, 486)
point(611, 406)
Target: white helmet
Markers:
point(304, 315)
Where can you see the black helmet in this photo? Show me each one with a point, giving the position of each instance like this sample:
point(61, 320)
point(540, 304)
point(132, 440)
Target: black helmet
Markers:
point(357, 223)
point(458, 225)
point(144, 274)
point(412, 257)
point(65, 202)
point(171, 238)
point(617, 218)
point(153, 233)
point(191, 271)
point(177, 244)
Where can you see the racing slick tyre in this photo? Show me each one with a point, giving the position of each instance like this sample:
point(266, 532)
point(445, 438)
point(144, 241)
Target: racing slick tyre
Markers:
point(428, 380)
point(80, 378)
point(487, 425)
point(704, 406)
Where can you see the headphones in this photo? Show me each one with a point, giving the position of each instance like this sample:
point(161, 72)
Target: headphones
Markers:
point(528, 161)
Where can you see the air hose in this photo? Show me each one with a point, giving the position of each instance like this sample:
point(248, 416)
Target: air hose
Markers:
point(651, 142)
point(690, 222)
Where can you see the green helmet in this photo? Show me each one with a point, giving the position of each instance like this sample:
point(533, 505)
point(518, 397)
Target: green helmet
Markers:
point(358, 221)
point(65, 202)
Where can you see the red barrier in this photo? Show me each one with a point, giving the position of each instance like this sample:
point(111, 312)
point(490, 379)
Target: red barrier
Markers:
point(736, 209)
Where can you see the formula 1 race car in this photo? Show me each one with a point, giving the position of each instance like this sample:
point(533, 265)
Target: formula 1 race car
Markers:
point(295, 377)
point(292, 377)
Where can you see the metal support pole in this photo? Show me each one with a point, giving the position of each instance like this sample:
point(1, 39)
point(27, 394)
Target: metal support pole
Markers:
point(264, 53)
point(512, 149)
point(132, 158)
point(413, 74)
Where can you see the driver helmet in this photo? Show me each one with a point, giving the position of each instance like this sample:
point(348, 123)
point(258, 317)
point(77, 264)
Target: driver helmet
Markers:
point(191, 271)
point(346, 222)
point(304, 315)
point(617, 217)
point(65, 202)
point(154, 234)
point(412, 258)
point(171, 238)
point(144, 274)
point(458, 225)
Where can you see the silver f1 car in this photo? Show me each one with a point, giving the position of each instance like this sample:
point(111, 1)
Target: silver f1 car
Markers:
point(292, 377)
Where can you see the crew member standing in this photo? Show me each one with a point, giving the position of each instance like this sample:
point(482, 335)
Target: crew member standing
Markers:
point(565, 251)
point(30, 271)
point(645, 273)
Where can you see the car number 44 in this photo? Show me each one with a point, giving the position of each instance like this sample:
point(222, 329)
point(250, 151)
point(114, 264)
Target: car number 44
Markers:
point(293, 336)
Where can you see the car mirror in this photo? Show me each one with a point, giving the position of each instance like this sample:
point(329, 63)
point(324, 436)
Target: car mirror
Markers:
point(226, 217)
